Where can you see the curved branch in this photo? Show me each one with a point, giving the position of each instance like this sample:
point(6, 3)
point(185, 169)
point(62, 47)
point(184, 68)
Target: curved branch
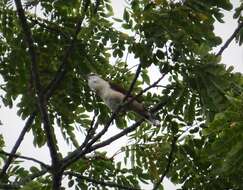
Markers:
point(237, 30)
point(37, 86)
point(17, 144)
point(25, 158)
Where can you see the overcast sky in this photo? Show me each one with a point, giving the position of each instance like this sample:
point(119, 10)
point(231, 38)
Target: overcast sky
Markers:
point(12, 125)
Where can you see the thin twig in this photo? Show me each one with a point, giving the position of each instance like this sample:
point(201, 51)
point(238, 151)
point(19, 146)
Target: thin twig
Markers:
point(144, 90)
point(30, 178)
point(237, 30)
point(23, 181)
point(115, 137)
point(138, 71)
point(17, 144)
point(90, 132)
point(58, 30)
point(25, 158)
point(170, 160)
point(102, 183)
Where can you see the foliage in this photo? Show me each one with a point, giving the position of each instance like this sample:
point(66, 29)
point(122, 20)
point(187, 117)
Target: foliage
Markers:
point(199, 142)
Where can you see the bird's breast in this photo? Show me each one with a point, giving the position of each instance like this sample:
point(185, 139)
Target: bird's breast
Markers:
point(113, 99)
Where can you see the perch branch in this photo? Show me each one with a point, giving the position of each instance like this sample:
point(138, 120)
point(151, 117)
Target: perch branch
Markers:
point(237, 30)
point(75, 155)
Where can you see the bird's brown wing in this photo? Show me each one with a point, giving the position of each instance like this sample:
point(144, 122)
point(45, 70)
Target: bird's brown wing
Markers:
point(122, 90)
point(118, 88)
point(139, 108)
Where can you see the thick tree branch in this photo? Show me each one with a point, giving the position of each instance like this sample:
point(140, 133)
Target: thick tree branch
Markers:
point(25, 158)
point(102, 183)
point(30, 44)
point(237, 30)
point(42, 104)
point(170, 160)
point(17, 144)
point(60, 74)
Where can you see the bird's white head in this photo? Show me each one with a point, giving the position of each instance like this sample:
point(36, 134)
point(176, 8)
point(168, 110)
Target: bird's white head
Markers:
point(96, 83)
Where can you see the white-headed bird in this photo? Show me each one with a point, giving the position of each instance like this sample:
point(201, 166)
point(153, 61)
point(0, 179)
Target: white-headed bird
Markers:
point(113, 96)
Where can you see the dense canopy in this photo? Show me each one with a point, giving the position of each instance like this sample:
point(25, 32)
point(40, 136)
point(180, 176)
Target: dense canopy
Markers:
point(162, 52)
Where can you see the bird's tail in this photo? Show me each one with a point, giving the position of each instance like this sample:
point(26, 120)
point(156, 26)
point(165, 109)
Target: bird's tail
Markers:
point(139, 109)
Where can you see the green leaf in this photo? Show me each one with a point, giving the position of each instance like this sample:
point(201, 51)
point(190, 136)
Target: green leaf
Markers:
point(126, 15)
point(70, 183)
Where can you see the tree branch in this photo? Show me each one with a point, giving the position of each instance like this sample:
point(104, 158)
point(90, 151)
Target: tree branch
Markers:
point(30, 44)
point(57, 29)
point(30, 178)
point(237, 30)
point(60, 74)
point(97, 4)
point(133, 82)
point(17, 144)
point(109, 184)
point(170, 160)
point(23, 181)
point(26, 158)
point(63, 67)
point(75, 155)
point(42, 102)
point(91, 132)
point(145, 90)
point(126, 130)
